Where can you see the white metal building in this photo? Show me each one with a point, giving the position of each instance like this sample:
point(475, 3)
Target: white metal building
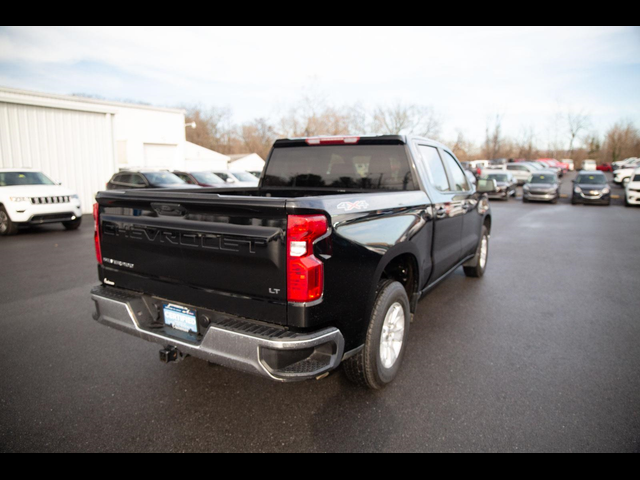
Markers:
point(199, 158)
point(251, 162)
point(82, 142)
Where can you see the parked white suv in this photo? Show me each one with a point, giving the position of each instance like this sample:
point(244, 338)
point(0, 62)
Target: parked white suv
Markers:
point(521, 171)
point(29, 197)
point(632, 192)
point(622, 176)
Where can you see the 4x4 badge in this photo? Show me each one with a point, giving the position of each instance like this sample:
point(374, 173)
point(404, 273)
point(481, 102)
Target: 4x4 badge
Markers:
point(348, 206)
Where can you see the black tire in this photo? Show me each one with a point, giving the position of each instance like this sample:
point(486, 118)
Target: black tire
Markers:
point(366, 368)
point(73, 225)
point(525, 200)
point(554, 201)
point(7, 227)
point(480, 268)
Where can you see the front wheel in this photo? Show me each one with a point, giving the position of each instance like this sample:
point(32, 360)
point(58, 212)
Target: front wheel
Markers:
point(73, 225)
point(7, 227)
point(481, 258)
point(378, 363)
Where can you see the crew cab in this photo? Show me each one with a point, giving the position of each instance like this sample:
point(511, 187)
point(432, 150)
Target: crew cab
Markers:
point(30, 198)
point(322, 264)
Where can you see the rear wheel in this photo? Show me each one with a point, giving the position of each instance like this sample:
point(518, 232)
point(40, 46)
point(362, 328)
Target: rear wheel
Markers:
point(482, 256)
point(73, 225)
point(378, 363)
point(7, 227)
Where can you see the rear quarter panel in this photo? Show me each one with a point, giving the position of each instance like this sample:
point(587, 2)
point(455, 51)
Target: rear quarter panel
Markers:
point(367, 232)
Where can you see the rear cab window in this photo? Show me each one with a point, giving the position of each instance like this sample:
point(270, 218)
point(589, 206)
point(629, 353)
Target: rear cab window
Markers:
point(343, 167)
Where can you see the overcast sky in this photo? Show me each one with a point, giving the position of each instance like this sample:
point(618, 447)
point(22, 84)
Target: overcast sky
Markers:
point(527, 74)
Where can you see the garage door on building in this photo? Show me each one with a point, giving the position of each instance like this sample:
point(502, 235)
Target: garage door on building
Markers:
point(158, 155)
point(72, 147)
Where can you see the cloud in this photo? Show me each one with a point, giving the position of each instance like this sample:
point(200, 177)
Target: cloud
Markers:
point(520, 70)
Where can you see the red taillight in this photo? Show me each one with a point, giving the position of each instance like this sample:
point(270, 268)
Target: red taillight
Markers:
point(335, 140)
point(96, 234)
point(305, 273)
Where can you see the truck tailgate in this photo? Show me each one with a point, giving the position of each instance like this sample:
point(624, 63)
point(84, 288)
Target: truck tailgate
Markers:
point(223, 253)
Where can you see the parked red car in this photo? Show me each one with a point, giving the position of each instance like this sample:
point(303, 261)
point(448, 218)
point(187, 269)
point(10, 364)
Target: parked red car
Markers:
point(552, 162)
point(605, 167)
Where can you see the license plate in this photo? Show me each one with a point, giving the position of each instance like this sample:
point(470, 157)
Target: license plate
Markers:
point(180, 318)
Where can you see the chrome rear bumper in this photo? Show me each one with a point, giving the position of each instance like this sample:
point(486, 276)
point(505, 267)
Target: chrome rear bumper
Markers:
point(237, 343)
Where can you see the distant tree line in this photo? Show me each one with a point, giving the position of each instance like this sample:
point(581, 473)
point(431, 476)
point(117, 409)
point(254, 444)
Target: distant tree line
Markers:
point(569, 134)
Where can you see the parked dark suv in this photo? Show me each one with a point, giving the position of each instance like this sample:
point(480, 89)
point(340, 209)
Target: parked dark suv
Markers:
point(591, 187)
point(146, 179)
point(542, 187)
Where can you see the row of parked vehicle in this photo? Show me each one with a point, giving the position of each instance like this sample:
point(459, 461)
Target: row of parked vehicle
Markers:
point(589, 187)
point(182, 179)
point(30, 198)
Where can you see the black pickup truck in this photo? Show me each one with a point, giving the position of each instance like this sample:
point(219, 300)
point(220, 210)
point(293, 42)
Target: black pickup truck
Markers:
point(322, 264)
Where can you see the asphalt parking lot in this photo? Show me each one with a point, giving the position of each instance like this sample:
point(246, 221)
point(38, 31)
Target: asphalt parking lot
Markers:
point(542, 354)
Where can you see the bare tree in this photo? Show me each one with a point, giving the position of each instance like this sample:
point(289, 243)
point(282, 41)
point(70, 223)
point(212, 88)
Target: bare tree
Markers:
point(525, 146)
point(493, 138)
point(462, 147)
point(401, 118)
point(576, 123)
point(213, 128)
point(257, 137)
point(621, 141)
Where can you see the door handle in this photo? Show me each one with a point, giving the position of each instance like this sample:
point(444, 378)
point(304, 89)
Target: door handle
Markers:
point(441, 212)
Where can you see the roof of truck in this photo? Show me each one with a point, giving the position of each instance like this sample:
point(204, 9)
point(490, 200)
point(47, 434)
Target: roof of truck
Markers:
point(353, 140)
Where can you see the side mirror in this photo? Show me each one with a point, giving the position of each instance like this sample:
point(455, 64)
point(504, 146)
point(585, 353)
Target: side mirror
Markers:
point(487, 186)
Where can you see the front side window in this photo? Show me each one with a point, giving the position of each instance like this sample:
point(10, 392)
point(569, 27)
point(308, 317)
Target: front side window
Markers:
point(435, 168)
point(244, 177)
point(207, 178)
point(163, 178)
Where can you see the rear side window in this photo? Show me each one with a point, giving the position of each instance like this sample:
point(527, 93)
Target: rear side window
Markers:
point(362, 167)
point(435, 168)
point(460, 182)
point(124, 178)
